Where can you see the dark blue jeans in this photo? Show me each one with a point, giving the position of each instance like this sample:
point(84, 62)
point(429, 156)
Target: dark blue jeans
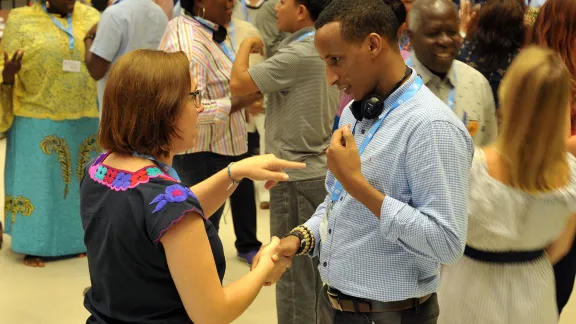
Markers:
point(197, 167)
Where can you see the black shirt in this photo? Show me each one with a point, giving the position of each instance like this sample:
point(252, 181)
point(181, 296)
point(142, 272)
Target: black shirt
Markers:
point(124, 215)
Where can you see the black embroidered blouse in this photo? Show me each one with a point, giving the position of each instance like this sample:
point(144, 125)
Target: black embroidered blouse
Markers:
point(124, 215)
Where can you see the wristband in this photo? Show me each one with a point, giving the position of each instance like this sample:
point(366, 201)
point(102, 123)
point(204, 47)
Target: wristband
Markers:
point(234, 182)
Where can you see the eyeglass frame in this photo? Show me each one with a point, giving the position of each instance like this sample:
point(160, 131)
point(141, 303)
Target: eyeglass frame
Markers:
point(197, 97)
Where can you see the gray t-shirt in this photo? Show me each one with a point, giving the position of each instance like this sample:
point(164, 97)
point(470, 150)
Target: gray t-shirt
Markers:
point(301, 104)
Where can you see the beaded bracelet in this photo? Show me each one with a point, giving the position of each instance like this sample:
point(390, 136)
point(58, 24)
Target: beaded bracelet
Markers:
point(308, 238)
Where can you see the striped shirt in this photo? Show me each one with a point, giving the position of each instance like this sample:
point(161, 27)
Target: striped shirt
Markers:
point(301, 104)
point(420, 158)
point(218, 131)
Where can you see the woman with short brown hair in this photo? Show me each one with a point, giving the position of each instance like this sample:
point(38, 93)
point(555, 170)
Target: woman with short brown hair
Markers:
point(149, 238)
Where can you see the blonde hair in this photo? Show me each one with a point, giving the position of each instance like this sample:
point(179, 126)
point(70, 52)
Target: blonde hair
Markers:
point(534, 97)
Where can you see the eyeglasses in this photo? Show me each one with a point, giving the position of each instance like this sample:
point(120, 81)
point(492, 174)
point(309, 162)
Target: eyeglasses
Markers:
point(197, 97)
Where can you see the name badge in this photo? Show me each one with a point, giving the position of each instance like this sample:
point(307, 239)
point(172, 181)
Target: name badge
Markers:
point(324, 224)
point(71, 66)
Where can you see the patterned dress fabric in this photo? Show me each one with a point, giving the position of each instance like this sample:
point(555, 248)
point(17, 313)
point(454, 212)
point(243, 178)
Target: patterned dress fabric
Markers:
point(502, 218)
point(53, 134)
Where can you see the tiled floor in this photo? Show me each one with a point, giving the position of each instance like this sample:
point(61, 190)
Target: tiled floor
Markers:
point(53, 295)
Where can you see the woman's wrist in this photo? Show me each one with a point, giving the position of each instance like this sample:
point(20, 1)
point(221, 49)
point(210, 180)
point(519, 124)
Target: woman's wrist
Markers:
point(236, 172)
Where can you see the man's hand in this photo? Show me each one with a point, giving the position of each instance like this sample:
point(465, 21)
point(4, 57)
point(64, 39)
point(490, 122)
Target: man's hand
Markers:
point(286, 251)
point(257, 107)
point(343, 159)
point(92, 30)
point(240, 102)
point(256, 45)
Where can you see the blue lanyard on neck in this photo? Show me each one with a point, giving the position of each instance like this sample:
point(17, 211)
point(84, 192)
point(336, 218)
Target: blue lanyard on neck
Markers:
point(337, 190)
point(305, 35)
point(165, 167)
point(245, 10)
point(68, 30)
point(230, 33)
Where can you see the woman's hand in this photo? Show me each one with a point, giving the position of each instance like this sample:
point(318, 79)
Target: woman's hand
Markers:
point(264, 168)
point(466, 14)
point(11, 66)
point(271, 262)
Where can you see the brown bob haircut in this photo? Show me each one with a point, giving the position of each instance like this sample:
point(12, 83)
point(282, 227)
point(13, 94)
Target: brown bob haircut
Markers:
point(145, 93)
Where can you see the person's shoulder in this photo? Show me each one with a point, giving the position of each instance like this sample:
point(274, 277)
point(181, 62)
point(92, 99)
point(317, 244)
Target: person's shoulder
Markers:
point(86, 12)
point(468, 74)
point(425, 108)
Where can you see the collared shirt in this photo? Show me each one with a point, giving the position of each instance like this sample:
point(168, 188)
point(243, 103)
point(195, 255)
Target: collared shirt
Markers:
point(301, 105)
point(124, 27)
point(420, 158)
point(474, 100)
point(218, 131)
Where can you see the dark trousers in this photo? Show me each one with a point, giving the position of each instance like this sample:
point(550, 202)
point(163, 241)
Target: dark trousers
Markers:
point(197, 167)
point(426, 314)
point(564, 272)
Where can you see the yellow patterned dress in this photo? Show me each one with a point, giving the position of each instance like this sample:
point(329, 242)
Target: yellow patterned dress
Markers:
point(50, 119)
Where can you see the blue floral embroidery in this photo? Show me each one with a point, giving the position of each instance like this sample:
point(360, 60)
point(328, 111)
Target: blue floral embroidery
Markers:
point(122, 181)
point(174, 193)
point(101, 172)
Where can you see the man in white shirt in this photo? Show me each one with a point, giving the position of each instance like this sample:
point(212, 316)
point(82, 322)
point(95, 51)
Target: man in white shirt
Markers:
point(124, 26)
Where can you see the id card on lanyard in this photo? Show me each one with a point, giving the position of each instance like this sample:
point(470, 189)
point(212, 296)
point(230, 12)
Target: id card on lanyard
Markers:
point(337, 189)
point(73, 66)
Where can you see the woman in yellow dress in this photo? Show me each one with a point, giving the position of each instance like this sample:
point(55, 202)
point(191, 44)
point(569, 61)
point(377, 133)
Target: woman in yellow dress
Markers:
point(50, 118)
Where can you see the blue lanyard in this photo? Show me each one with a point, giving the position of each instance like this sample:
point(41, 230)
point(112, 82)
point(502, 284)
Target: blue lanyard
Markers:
point(305, 35)
point(337, 190)
point(230, 32)
point(452, 96)
point(245, 10)
point(165, 167)
point(59, 25)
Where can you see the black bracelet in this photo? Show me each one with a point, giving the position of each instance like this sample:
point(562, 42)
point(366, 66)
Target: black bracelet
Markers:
point(300, 237)
point(92, 37)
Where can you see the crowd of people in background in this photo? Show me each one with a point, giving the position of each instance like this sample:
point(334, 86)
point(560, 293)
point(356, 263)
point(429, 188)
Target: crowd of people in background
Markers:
point(432, 176)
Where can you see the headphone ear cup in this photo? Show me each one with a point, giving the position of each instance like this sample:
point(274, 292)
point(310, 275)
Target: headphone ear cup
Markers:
point(372, 106)
point(356, 109)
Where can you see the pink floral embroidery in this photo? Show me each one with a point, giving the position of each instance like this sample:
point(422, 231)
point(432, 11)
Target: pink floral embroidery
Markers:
point(122, 180)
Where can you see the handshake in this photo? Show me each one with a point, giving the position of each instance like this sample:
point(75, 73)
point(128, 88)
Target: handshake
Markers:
point(275, 257)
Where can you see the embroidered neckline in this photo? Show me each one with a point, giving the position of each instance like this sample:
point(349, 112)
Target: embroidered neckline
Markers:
point(122, 180)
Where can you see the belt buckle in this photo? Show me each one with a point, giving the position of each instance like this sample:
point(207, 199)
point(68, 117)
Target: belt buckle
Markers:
point(337, 297)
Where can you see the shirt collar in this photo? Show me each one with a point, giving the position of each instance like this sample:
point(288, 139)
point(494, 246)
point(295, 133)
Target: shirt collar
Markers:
point(388, 102)
point(296, 35)
point(201, 21)
point(427, 75)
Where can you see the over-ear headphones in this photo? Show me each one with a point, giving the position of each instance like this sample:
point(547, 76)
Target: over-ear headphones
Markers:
point(372, 105)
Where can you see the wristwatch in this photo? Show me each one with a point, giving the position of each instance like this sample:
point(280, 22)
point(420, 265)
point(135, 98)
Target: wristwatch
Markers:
point(92, 37)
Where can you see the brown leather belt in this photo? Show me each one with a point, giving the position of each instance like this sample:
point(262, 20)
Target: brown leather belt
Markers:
point(345, 303)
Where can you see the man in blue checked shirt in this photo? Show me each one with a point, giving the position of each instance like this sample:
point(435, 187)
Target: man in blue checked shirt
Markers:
point(397, 182)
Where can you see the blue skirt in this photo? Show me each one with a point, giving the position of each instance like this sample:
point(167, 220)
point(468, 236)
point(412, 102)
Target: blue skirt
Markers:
point(45, 163)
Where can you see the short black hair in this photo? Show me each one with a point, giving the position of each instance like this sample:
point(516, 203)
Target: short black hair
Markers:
point(314, 7)
point(398, 9)
point(188, 5)
point(359, 18)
